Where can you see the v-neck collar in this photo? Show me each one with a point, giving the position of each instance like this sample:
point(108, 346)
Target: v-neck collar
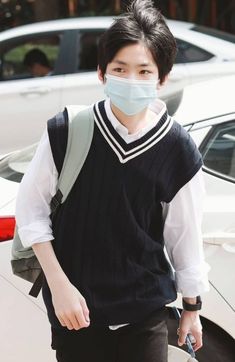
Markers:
point(158, 108)
point(126, 151)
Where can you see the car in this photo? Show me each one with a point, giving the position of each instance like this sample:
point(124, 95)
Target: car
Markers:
point(211, 122)
point(71, 47)
point(207, 111)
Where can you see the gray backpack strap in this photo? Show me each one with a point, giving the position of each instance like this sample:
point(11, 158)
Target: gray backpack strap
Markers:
point(80, 133)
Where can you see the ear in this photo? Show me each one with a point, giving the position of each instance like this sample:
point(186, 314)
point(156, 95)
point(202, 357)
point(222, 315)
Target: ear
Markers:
point(100, 74)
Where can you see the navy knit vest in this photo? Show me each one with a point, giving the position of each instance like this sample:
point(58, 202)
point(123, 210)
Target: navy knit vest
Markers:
point(109, 232)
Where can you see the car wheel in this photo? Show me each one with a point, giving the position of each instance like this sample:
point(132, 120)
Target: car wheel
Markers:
point(218, 346)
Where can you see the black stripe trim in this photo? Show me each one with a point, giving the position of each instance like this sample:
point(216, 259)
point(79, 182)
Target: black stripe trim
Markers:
point(129, 146)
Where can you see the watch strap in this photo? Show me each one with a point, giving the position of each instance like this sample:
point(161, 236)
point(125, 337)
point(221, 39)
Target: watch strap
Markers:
point(193, 307)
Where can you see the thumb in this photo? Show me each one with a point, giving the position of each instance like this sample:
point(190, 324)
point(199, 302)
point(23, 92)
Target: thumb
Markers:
point(182, 338)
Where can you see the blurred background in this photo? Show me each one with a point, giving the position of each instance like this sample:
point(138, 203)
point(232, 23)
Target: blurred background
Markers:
point(199, 94)
point(219, 14)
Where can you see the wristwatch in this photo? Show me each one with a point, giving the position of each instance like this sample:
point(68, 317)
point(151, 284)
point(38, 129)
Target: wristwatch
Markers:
point(193, 307)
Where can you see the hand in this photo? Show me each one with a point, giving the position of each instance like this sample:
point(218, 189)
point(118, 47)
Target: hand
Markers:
point(190, 323)
point(70, 306)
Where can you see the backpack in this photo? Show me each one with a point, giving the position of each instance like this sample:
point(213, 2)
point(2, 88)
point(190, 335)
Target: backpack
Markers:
point(79, 136)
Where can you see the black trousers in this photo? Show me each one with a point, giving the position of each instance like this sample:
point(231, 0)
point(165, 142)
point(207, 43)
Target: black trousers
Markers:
point(146, 341)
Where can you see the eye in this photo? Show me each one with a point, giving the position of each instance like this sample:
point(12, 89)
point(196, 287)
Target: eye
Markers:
point(118, 70)
point(145, 72)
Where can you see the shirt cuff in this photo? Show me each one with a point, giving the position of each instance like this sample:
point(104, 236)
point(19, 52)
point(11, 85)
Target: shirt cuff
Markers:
point(36, 232)
point(192, 281)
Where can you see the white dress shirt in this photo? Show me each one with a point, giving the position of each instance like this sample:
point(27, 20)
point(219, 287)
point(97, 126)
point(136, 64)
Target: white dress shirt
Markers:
point(182, 216)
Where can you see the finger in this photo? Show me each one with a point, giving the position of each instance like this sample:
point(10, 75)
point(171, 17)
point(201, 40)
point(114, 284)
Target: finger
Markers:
point(198, 338)
point(182, 337)
point(197, 346)
point(67, 322)
point(73, 320)
point(80, 318)
point(62, 322)
point(85, 310)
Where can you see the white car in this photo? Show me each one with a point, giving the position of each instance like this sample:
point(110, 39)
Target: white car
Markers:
point(71, 46)
point(208, 113)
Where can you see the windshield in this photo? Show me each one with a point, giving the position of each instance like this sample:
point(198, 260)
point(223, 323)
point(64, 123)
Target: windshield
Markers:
point(13, 166)
point(214, 32)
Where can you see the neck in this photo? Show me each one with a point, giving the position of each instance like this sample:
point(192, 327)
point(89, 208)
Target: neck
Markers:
point(136, 122)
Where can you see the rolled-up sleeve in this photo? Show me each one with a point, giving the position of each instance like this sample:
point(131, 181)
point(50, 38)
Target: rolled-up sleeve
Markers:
point(183, 237)
point(36, 190)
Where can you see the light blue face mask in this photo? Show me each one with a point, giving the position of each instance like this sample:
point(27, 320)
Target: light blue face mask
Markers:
point(131, 96)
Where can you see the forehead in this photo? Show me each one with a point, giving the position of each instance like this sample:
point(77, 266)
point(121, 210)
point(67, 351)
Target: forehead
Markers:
point(137, 54)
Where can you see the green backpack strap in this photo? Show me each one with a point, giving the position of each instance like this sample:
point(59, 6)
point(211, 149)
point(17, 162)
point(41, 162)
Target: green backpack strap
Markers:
point(80, 133)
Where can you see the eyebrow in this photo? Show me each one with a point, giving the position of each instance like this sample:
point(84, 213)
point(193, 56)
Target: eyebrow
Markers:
point(120, 62)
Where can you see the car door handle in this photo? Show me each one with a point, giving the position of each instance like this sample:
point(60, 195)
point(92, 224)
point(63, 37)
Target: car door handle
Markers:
point(219, 238)
point(36, 91)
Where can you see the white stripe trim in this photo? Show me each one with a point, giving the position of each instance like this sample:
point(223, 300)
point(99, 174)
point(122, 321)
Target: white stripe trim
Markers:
point(158, 107)
point(108, 140)
point(137, 153)
point(116, 142)
point(153, 143)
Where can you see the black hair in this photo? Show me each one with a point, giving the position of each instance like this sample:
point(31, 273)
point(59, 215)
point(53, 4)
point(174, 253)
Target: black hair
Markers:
point(36, 56)
point(142, 22)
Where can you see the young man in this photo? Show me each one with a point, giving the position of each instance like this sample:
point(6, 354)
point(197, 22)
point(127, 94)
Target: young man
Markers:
point(107, 277)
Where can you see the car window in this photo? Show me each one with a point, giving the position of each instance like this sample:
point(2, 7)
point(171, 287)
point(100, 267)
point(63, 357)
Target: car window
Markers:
point(189, 53)
point(13, 166)
point(218, 150)
point(14, 54)
point(215, 33)
point(87, 53)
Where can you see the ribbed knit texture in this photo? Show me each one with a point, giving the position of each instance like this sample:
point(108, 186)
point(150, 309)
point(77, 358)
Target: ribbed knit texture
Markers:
point(109, 232)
